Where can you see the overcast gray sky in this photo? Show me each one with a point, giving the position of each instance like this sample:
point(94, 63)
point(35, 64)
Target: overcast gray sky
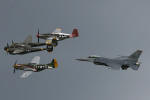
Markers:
point(107, 28)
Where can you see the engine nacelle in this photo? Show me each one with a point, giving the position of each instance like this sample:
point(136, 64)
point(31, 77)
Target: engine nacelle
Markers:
point(49, 48)
point(53, 42)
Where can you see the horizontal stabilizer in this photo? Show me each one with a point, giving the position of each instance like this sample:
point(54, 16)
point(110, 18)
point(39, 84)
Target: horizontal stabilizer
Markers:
point(135, 67)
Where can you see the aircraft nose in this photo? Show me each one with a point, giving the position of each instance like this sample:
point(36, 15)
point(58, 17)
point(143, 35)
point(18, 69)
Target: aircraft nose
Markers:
point(38, 35)
point(81, 59)
point(14, 66)
point(6, 49)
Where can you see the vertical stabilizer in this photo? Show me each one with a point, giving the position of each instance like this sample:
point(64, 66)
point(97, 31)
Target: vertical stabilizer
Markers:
point(75, 33)
point(54, 63)
point(28, 39)
point(136, 54)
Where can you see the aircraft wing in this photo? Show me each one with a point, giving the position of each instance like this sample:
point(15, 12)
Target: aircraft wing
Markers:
point(57, 30)
point(18, 51)
point(28, 39)
point(36, 60)
point(26, 74)
point(114, 66)
point(51, 38)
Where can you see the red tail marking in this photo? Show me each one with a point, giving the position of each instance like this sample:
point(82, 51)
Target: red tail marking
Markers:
point(74, 33)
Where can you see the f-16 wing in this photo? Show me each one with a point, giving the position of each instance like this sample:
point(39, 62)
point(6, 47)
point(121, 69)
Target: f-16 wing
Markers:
point(108, 63)
point(114, 66)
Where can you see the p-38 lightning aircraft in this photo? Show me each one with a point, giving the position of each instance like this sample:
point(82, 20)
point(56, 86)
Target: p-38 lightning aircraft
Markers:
point(57, 35)
point(123, 62)
point(26, 47)
point(34, 66)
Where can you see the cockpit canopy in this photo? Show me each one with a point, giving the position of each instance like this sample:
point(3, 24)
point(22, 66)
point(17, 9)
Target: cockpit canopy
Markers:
point(93, 56)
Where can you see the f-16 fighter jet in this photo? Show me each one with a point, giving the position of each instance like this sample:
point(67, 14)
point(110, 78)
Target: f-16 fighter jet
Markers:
point(26, 47)
point(123, 62)
point(34, 66)
point(57, 35)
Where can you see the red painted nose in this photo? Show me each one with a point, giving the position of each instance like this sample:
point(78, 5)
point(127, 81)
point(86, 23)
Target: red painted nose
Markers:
point(37, 35)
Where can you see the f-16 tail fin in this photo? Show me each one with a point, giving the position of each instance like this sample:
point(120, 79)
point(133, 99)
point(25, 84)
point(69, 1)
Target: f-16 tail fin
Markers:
point(54, 63)
point(136, 54)
point(74, 33)
point(28, 39)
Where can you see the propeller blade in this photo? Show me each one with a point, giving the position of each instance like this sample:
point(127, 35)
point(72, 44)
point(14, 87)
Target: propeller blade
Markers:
point(15, 62)
point(7, 45)
point(12, 42)
point(38, 35)
point(7, 48)
point(14, 66)
point(14, 70)
point(38, 31)
point(38, 40)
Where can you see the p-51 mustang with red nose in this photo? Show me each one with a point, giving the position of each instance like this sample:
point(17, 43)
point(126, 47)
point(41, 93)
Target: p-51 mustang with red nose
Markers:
point(34, 66)
point(56, 35)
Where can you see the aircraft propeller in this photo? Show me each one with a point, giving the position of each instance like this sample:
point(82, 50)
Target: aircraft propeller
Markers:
point(7, 45)
point(14, 66)
point(38, 35)
point(12, 42)
point(6, 48)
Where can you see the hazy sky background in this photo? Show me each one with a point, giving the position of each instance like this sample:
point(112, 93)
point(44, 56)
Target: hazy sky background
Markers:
point(107, 28)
